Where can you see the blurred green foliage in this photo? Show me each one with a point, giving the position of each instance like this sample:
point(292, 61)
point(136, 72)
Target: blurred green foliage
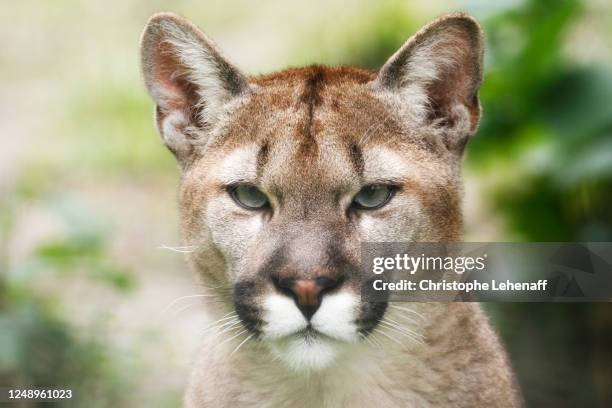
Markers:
point(549, 120)
point(363, 37)
point(38, 346)
point(119, 116)
point(547, 128)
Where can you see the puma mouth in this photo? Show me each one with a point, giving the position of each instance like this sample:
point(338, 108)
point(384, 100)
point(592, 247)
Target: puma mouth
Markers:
point(309, 335)
point(312, 334)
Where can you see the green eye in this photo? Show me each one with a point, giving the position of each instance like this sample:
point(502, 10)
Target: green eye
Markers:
point(249, 197)
point(373, 196)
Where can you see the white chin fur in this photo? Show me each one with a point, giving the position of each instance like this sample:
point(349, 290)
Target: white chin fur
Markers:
point(306, 353)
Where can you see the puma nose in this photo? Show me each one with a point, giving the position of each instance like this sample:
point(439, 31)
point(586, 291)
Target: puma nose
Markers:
point(307, 293)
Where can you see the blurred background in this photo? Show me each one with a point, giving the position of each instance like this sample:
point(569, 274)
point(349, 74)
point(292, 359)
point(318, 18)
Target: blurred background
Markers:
point(89, 297)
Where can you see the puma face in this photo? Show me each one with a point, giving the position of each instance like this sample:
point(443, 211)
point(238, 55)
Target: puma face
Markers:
point(285, 175)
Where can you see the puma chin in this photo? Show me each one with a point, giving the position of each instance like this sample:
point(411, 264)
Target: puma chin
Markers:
point(284, 176)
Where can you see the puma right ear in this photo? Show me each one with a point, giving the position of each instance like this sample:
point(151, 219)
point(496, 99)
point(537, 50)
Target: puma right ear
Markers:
point(189, 80)
point(436, 74)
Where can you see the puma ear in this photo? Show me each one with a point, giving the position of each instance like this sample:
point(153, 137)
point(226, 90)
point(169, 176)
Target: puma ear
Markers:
point(189, 80)
point(436, 74)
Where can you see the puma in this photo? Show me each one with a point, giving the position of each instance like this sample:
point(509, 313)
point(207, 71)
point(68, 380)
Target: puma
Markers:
point(283, 176)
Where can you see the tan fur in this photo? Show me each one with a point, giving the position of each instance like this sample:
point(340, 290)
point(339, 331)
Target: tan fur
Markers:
point(310, 138)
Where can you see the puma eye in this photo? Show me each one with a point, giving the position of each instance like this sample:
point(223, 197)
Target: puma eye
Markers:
point(249, 197)
point(373, 196)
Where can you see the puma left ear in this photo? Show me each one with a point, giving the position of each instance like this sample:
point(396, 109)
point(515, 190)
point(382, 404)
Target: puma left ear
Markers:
point(189, 80)
point(435, 75)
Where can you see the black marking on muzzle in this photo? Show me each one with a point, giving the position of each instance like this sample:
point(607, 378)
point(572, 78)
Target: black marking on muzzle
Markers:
point(244, 304)
point(372, 312)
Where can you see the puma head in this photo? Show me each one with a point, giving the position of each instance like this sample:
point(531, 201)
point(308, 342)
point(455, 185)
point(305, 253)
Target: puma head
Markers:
point(284, 175)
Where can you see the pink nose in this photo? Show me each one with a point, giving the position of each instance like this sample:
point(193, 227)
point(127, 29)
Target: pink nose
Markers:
point(307, 293)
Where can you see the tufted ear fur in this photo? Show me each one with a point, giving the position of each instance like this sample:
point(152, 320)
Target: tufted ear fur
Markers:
point(189, 80)
point(434, 77)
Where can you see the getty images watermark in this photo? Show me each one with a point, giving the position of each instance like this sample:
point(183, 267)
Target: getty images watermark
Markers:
point(455, 264)
point(507, 272)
